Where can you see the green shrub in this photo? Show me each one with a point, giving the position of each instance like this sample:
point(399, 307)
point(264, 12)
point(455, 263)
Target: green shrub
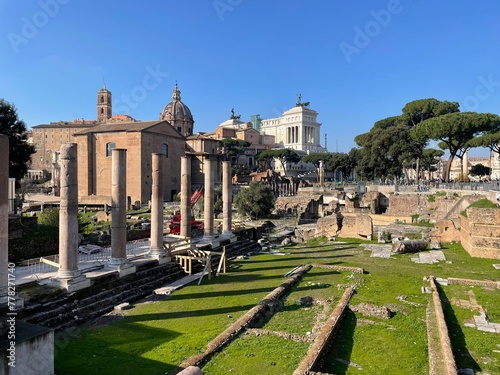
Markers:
point(49, 217)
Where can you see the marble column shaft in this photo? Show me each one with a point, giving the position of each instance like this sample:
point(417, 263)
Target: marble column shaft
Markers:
point(227, 198)
point(157, 206)
point(4, 213)
point(208, 222)
point(68, 213)
point(119, 205)
point(185, 229)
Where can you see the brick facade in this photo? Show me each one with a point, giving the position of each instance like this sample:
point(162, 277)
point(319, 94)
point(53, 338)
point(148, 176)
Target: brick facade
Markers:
point(141, 140)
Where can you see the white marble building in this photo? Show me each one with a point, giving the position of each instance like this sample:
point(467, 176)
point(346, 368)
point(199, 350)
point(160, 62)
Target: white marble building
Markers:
point(297, 129)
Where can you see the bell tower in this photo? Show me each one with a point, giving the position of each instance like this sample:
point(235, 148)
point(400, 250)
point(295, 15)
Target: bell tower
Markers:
point(104, 108)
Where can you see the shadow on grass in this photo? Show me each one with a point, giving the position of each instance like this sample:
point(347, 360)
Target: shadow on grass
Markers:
point(341, 347)
point(237, 292)
point(118, 349)
point(463, 358)
point(308, 250)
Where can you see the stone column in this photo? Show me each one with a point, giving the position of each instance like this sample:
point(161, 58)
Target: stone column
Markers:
point(157, 250)
point(68, 213)
point(208, 208)
point(185, 229)
point(465, 166)
point(321, 174)
point(4, 214)
point(227, 199)
point(118, 207)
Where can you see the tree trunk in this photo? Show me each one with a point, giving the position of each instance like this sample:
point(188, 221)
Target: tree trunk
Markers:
point(448, 169)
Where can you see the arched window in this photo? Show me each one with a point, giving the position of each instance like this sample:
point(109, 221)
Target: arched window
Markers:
point(102, 99)
point(164, 149)
point(109, 146)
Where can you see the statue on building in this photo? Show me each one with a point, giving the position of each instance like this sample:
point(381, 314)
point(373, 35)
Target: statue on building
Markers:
point(233, 116)
point(299, 103)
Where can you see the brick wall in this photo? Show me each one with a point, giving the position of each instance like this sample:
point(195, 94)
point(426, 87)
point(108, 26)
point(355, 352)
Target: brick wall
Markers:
point(480, 232)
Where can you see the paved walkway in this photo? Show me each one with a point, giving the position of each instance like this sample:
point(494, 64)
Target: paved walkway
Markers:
point(429, 257)
point(90, 264)
point(425, 257)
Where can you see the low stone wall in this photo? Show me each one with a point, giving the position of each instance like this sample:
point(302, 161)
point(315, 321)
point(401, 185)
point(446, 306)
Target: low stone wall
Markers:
point(252, 316)
point(340, 268)
point(445, 231)
point(385, 219)
point(32, 353)
point(316, 354)
point(480, 232)
point(444, 338)
point(406, 204)
point(486, 283)
point(94, 200)
point(354, 226)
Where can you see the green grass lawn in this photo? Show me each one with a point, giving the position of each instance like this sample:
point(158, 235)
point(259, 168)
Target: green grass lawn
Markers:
point(157, 335)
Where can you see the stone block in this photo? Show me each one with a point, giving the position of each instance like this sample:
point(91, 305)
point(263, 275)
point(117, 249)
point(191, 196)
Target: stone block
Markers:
point(123, 306)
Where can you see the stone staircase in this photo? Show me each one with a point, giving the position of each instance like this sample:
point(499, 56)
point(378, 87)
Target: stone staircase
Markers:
point(67, 310)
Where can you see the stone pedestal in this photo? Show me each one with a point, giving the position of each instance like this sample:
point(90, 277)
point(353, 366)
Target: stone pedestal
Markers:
point(32, 353)
point(122, 267)
point(70, 284)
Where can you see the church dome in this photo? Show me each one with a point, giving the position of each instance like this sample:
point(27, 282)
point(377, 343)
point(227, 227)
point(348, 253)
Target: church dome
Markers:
point(176, 110)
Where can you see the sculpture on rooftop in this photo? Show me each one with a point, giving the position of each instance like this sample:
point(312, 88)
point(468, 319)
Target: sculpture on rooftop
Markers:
point(233, 116)
point(299, 103)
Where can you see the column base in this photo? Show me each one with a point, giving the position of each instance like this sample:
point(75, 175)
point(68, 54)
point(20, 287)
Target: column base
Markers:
point(70, 285)
point(122, 266)
point(68, 274)
point(208, 242)
point(160, 255)
point(228, 236)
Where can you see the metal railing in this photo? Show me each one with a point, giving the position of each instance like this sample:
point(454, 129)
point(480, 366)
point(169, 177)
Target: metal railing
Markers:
point(135, 249)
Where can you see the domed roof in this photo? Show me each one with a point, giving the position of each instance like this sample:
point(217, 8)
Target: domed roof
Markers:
point(176, 110)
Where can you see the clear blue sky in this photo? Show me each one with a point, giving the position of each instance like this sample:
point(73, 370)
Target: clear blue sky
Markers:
point(356, 62)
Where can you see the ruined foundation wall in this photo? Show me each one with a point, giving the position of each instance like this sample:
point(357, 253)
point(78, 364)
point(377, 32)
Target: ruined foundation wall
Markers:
point(480, 232)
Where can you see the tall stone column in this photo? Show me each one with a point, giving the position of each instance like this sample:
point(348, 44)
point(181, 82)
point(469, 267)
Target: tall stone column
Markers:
point(321, 174)
point(208, 208)
point(69, 276)
point(227, 200)
point(185, 229)
point(4, 214)
point(157, 250)
point(119, 210)
point(68, 213)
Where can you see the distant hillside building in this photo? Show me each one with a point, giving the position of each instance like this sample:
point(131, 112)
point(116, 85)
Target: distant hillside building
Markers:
point(297, 129)
point(236, 129)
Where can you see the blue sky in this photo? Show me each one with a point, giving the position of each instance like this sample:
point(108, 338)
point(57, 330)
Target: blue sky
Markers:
point(356, 62)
